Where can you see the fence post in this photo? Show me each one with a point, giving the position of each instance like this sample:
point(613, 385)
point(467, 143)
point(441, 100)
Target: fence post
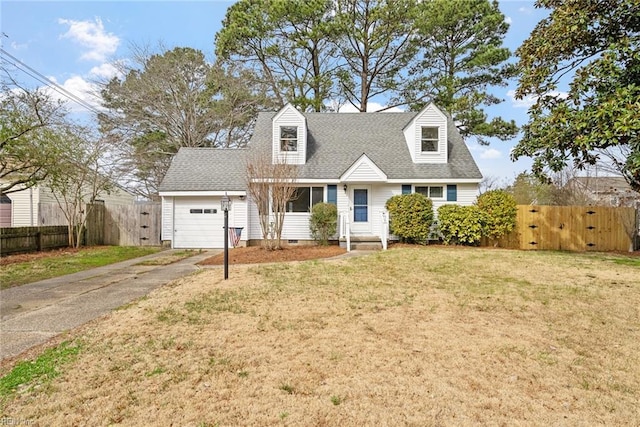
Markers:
point(39, 241)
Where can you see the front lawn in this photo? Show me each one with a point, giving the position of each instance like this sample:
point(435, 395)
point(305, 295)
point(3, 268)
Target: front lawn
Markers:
point(410, 336)
point(20, 269)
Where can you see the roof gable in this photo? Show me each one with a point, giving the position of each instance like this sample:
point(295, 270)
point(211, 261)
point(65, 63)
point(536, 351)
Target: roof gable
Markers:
point(338, 145)
point(363, 170)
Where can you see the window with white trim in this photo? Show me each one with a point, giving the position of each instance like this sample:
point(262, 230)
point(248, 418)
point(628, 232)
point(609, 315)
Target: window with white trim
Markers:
point(429, 139)
point(435, 192)
point(304, 198)
point(288, 138)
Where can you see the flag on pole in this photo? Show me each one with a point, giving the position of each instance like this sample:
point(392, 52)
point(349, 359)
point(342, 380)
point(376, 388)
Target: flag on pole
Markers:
point(234, 235)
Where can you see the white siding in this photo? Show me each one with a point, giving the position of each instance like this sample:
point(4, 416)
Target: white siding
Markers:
point(467, 194)
point(117, 196)
point(255, 232)
point(364, 170)
point(289, 116)
point(25, 207)
point(381, 193)
point(167, 218)
point(430, 116)
point(238, 216)
point(296, 226)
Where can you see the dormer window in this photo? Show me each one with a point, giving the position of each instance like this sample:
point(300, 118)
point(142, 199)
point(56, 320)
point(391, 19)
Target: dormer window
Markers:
point(288, 138)
point(429, 139)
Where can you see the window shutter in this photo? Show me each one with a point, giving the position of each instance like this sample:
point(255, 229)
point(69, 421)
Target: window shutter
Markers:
point(332, 194)
point(452, 193)
point(406, 188)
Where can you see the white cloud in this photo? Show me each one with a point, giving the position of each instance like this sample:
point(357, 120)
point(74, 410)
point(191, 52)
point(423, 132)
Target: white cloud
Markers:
point(91, 35)
point(525, 10)
point(526, 102)
point(104, 71)
point(80, 88)
point(508, 20)
point(19, 46)
point(490, 153)
point(529, 100)
point(371, 107)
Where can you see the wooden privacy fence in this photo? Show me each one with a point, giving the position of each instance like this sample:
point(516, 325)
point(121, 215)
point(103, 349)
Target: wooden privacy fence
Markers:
point(573, 228)
point(15, 240)
point(124, 225)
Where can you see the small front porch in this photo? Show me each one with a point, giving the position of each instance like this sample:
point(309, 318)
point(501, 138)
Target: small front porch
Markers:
point(353, 240)
point(362, 243)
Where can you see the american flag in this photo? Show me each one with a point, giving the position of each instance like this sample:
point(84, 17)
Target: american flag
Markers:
point(234, 235)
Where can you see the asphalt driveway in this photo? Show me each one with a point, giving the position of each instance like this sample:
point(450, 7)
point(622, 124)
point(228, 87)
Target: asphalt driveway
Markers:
point(33, 313)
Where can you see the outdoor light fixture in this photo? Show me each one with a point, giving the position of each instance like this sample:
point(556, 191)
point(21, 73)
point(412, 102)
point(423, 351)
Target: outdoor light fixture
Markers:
point(225, 204)
point(344, 187)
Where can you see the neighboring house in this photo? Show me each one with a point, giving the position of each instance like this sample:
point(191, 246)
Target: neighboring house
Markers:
point(37, 206)
point(354, 160)
point(605, 190)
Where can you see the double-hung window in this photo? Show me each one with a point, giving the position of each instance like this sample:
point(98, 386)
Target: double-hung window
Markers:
point(304, 198)
point(429, 139)
point(288, 138)
point(435, 192)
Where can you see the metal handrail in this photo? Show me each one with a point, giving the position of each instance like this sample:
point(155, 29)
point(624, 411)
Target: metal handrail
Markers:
point(345, 231)
point(384, 237)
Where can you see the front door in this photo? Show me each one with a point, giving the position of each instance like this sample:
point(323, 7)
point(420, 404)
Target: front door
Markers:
point(361, 209)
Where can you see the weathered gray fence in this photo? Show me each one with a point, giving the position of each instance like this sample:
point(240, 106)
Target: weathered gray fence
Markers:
point(126, 225)
point(118, 225)
point(14, 240)
point(51, 214)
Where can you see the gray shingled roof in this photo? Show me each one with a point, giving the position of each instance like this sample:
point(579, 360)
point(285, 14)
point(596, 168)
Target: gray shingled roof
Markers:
point(206, 169)
point(334, 143)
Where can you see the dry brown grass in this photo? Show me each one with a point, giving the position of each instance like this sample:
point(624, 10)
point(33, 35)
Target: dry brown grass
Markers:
point(411, 336)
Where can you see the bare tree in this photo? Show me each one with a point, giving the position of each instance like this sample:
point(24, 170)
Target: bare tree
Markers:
point(80, 177)
point(489, 182)
point(270, 185)
point(164, 101)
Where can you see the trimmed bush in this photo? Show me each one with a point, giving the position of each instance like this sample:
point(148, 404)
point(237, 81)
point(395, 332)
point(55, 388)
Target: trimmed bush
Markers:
point(410, 217)
point(461, 225)
point(323, 222)
point(500, 212)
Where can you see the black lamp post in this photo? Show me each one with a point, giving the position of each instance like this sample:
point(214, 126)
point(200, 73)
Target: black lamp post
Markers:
point(226, 204)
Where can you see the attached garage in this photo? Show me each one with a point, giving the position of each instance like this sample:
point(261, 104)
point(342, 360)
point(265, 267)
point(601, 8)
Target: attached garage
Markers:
point(198, 223)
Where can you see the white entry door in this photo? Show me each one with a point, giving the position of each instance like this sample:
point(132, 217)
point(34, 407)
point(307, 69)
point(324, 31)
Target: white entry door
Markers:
point(361, 209)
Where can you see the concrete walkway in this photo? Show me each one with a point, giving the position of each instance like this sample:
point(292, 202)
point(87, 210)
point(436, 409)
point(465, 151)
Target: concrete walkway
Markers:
point(33, 313)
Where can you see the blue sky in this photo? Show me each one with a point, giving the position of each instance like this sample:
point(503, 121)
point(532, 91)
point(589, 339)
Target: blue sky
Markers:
point(73, 43)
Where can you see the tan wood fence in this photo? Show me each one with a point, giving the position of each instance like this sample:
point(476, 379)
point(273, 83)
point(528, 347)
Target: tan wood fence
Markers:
point(573, 228)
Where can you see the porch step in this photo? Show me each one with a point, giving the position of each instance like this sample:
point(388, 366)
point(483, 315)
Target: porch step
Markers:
point(363, 243)
point(366, 246)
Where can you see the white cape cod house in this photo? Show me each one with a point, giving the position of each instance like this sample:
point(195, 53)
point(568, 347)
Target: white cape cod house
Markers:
point(355, 160)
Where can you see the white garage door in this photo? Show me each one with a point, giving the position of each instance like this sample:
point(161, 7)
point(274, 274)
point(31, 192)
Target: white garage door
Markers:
point(198, 223)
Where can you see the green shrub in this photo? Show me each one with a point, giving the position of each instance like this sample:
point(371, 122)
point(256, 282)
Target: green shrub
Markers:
point(410, 217)
point(323, 222)
point(500, 212)
point(461, 225)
